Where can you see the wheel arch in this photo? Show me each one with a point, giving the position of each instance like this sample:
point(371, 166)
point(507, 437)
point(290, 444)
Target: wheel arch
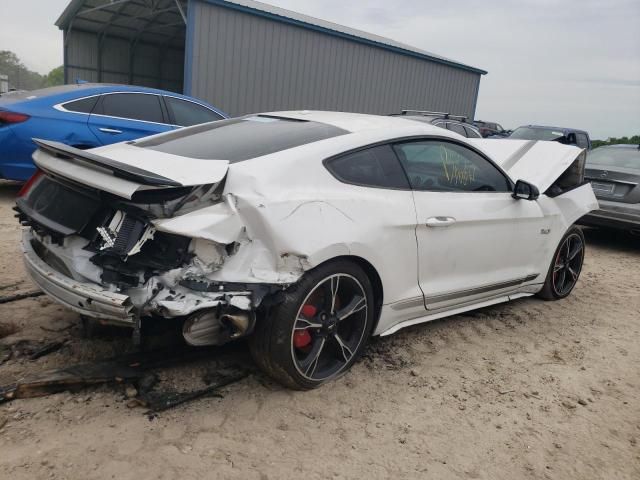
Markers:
point(374, 277)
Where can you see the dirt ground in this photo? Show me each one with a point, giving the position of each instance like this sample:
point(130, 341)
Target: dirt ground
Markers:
point(530, 389)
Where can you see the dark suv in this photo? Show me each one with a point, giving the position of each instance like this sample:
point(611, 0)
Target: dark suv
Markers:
point(455, 123)
point(568, 136)
point(491, 129)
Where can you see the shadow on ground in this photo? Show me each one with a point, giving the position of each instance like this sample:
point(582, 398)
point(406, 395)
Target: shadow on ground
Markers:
point(9, 189)
point(613, 239)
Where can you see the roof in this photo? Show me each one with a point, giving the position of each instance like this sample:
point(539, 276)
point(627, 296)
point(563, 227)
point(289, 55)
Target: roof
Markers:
point(126, 17)
point(357, 122)
point(72, 91)
point(158, 22)
point(548, 127)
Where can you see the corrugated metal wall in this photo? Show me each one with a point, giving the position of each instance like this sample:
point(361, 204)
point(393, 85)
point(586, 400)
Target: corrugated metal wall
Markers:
point(243, 63)
point(151, 66)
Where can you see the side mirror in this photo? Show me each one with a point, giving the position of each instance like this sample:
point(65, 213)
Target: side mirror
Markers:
point(525, 191)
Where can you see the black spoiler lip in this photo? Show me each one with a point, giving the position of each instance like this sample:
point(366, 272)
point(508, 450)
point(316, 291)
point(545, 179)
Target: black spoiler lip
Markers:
point(119, 169)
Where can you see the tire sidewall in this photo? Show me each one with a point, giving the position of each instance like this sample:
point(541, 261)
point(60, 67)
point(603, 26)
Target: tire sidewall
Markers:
point(283, 319)
point(548, 292)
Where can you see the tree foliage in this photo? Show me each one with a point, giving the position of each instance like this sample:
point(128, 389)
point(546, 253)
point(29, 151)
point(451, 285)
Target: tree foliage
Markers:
point(635, 140)
point(21, 78)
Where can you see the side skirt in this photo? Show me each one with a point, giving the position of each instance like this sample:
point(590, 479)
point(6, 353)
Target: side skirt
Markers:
point(451, 312)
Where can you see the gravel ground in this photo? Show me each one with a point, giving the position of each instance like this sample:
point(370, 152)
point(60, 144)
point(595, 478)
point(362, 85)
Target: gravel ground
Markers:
point(529, 389)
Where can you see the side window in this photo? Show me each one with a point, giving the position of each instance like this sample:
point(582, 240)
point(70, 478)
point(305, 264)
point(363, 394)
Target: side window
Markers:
point(456, 127)
point(471, 133)
point(372, 167)
point(448, 167)
point(186, 113)
point(134, 106)
point(581, 140)
point(84, 105)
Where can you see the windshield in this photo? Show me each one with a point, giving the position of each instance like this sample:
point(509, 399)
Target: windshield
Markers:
point(528, 133)
point(626, 157)
point(242, 138)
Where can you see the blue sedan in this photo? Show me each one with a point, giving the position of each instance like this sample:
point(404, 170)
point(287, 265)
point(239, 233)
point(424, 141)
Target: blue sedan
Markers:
point(86, 116)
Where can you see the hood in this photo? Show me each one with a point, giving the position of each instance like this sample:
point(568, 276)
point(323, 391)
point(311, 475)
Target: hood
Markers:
point(123, 169)
point(538, 162)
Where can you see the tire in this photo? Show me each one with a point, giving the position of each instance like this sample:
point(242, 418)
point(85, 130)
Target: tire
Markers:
point(282, 349)
point(564, 272)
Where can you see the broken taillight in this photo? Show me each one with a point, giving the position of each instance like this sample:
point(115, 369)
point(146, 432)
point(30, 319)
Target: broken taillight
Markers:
point(12, 117)
point(29, 183)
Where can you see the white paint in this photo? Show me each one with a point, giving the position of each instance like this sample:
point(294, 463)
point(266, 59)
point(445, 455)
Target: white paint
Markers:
point(284, 213)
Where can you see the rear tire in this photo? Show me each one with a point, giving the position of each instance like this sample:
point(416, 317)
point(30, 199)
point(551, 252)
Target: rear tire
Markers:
point(565, 267)
point(320, 328)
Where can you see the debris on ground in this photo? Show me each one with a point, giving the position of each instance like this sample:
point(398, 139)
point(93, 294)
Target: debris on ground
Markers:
point(47, 349)
point(8, 328)
point(20, 296)
point(160, 401)
point(131, 369)
point(69, 378)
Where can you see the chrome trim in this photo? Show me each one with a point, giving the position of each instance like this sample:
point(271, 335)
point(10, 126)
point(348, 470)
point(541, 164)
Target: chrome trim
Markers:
point(60, 107)
point(408, 303)
point(85, 298)
point(434, 299)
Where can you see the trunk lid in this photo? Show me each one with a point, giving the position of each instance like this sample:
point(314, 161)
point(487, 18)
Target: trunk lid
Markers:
point(614, 183)
point(123, 169)
point(540, 163)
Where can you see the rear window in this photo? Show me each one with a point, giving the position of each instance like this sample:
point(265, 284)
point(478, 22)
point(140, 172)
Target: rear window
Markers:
point(241, 138)
point(526, 133)
point(626, 157)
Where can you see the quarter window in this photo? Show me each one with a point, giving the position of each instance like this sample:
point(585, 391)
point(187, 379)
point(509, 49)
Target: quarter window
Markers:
point(134, 106)
point(372, 167)
point(84, 105)
point(187, 113)
point(448, 167)
point(471, 133)
point(456, 127)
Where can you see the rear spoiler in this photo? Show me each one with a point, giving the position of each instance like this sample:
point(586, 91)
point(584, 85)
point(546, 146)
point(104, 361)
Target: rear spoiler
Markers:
point(119, 169)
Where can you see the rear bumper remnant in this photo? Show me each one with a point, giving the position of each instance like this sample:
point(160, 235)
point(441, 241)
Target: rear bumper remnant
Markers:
point(82, 297)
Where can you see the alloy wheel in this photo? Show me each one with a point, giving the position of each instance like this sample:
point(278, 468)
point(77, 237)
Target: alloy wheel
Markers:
point(568, 264)
point(329, 327)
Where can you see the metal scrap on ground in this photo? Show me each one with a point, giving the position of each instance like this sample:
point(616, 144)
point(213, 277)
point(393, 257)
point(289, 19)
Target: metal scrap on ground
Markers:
point(127, 368)
point(20, 296)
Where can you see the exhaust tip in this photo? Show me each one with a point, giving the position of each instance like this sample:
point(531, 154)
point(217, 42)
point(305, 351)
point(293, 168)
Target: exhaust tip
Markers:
point(207, 327)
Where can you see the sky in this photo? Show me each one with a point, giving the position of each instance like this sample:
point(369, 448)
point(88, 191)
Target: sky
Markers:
point(573, 63)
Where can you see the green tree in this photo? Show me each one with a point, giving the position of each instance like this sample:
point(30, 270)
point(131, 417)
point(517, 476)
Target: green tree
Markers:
point(20, 77)
point(635, 140)
point(54, 77)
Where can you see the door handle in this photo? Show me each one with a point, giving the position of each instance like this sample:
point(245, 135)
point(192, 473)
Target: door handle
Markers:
point(440, 221)
point(112, 131)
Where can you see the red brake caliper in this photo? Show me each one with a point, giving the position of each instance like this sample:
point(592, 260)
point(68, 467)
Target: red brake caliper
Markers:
point(302, 338)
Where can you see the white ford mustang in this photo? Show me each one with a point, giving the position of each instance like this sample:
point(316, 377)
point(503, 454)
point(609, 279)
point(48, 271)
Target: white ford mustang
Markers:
point(305, 231)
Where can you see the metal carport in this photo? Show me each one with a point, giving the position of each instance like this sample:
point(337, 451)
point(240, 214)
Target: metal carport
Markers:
point(245, 56)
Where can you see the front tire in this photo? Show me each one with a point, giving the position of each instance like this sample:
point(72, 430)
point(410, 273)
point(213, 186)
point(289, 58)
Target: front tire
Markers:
point(565, 267)
point(320, 328)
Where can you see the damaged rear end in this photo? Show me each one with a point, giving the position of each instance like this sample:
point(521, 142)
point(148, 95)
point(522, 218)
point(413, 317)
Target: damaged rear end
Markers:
point(97, 244)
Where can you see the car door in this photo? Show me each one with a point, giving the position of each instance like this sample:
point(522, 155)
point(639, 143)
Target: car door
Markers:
point(475, 241)
point(123, 116)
